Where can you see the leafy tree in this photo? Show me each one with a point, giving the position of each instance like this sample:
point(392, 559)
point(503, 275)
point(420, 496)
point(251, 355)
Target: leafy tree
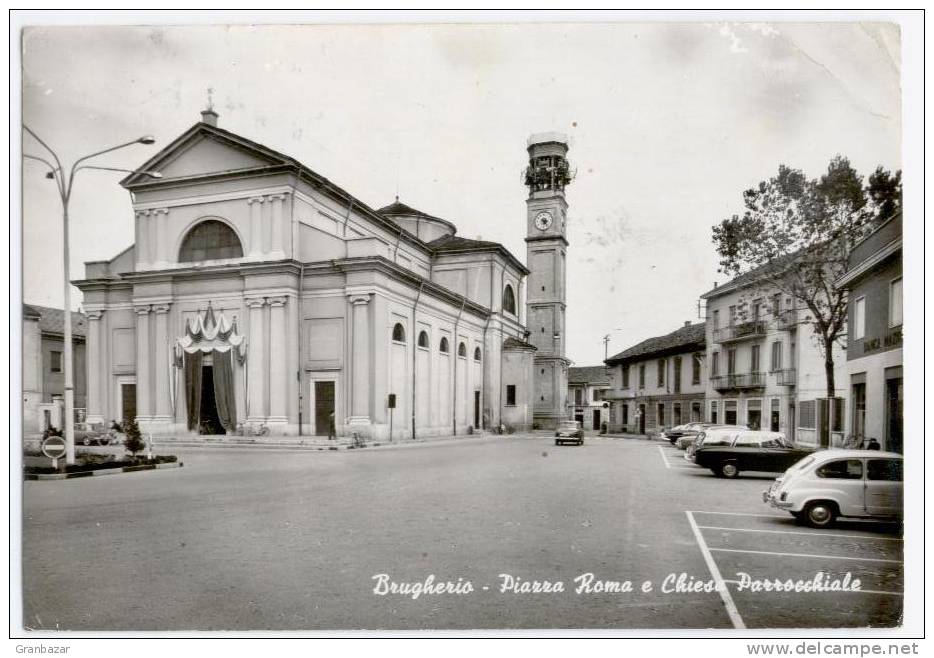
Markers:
point(885, 192)
point(134, 441)
point(794, 237)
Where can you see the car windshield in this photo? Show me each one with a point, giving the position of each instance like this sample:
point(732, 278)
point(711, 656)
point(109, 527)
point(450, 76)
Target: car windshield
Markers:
point(569, 425)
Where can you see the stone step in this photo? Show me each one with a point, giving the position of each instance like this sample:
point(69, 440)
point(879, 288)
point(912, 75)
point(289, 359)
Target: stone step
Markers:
point(307, 442)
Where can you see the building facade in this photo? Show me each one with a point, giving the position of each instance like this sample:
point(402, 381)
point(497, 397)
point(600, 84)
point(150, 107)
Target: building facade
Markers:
point(874, 341)
point(659, 383)
point(259, 294)
point(547, 176)
point(766, 365)
point(43, 367)
point(587, 390)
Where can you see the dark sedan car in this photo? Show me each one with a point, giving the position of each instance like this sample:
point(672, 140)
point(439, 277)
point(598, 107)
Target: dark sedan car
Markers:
point(768, 452)
point(676, 432)
point(569, 431)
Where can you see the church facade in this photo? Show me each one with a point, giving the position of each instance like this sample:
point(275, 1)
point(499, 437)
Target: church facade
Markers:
point(258, 296)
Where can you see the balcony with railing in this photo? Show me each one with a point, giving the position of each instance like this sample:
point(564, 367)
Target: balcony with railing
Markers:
point(788, 319)
point(737, 332)
point(786, 377)
point(738, 382)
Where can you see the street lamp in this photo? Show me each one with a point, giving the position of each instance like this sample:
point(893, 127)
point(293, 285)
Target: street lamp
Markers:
point(606, 343)
point(65, 185)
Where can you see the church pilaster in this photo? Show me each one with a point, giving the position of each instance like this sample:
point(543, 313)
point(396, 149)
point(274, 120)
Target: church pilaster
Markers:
point(95, 396)
point(256, 226)
point(256, 363)
point(360, 394)
point(278, 343)
point(162, 366)
point(143, 371)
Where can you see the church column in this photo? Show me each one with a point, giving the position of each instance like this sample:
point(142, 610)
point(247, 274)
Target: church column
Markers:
point(521, 310)
point(160, 220)
point(360, 394)
point(278, 345)
point(256, 226)
point(93, 366)
point(162, 366)
point(142, 239)
point(152, 235)
point(276, 246)
point(143, 385)
point(256, 362)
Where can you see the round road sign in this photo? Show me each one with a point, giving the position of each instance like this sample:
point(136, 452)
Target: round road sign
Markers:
point(54, 447)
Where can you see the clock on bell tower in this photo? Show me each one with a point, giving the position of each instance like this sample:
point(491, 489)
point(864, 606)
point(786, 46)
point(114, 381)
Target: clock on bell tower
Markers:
point(547, 176)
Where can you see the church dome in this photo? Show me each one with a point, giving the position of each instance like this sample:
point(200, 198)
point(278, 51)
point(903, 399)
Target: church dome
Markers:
point(422, 225)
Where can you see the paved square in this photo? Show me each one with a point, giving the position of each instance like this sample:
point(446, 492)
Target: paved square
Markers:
point(263, 539)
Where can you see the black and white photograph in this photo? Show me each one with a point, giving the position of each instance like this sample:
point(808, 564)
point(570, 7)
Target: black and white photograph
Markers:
point(426, 324)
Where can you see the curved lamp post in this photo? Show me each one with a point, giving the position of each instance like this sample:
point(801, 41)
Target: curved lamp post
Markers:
point(65, 185)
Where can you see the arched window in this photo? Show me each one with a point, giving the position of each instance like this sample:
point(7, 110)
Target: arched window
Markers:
point(423, 339)
point(509, 300)
point(462, 350)
point(398, 333)
point(476, 354)
point(443, 348)
point(210, 240)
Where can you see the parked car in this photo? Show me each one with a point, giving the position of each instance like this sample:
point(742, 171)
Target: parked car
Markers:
point(748, 450)
point(694, 429)
point(93, 437)
point(680, 431)
point(718, 434)
point(832, 483)
point(672, 433)
point(569, 431)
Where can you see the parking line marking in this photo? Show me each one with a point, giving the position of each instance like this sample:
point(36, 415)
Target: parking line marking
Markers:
point(664, 457)
point(858, 591)
point(825, 557)
point(764, 516)
point(724, 591)
point(799, 532)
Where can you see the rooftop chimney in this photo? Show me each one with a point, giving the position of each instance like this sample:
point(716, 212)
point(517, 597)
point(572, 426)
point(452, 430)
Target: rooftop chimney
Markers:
point(687, 323)
point(209, 116)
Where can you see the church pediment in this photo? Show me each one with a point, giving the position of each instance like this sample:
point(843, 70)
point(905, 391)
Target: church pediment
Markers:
point(210, 156)
point(205, 150)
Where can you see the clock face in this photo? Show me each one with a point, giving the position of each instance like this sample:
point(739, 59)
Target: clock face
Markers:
point(543, 221)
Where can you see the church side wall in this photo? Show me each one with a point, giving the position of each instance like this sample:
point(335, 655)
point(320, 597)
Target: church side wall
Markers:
point(518, 371)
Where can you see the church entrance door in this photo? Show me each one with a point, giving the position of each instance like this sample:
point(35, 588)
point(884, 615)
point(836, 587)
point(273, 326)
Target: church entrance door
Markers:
point(324, 407)
point(209, 423)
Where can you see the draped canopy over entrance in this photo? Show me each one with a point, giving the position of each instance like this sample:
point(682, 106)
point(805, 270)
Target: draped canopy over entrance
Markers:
point(217, 340)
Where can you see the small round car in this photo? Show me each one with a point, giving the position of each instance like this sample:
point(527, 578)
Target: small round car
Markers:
point(834, 483)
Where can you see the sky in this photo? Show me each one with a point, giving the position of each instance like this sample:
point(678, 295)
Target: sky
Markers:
point(668, 124)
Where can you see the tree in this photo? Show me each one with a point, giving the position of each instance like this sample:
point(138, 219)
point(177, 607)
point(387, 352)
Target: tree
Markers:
point(795, 234)
point(134, 441)
point(885, 192)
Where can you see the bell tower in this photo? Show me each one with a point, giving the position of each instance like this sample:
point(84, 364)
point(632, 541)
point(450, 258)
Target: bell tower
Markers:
point(547, 176)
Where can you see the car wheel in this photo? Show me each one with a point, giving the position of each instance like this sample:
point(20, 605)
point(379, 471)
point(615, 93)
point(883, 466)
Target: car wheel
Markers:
point(729, 470)
point(820, 514)
point(86, 441)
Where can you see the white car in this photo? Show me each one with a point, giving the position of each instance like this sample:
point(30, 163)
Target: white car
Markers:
point(832, 483)
point(714, 435)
